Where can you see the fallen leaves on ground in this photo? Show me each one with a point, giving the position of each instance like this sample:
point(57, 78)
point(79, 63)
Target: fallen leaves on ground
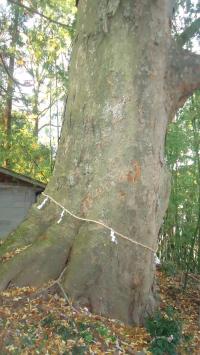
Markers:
point(9, 255)
point(41, 321)
point(187, 304)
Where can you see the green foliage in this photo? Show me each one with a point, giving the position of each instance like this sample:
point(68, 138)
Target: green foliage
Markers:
point(28, 341)
point(65, 332)
point(103, 331)
point(166, 331)
point(169, 268)
point(39, 48)
point(79, 350)
point(47, 321)
point(180, 234)
point(87, 336)
point(25, 154)
point(85, 332)
point(186, 27)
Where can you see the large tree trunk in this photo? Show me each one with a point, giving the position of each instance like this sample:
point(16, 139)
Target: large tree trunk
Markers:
point(110, 162)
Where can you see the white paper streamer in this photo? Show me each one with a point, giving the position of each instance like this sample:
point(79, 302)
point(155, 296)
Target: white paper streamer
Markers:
point(157, 260)
point(113, 237)
point(43, 203)
point(61, 216)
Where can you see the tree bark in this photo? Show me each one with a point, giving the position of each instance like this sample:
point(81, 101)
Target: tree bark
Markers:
point(182, 77)
point(110, 165)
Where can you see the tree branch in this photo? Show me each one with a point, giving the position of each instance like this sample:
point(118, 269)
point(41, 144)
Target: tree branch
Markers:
point(8, 72)
point(6, 94)
point(189, 32)
point(48, 124)
point(18, 84)
point(4, 90)
point(29, 156)
point(183, 77)
point(32, 10)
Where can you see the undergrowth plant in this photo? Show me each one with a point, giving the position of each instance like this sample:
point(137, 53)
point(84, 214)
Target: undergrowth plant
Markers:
point(166, 331)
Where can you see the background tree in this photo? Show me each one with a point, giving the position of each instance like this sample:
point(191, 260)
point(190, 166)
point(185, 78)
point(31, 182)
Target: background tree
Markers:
point(33, 65)
point(180, 232)
point(128, 77)
point(8, 64)
point(178, 249)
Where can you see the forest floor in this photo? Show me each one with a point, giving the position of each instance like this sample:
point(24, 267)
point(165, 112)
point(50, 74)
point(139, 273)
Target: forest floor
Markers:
point(41, 321)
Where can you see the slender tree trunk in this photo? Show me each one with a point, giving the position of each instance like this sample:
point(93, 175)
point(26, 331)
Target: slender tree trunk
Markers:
point(36, 106)
point(195, 240)
point(50, 128)
point(110, 162)
point(7, 115)
point(196, 130)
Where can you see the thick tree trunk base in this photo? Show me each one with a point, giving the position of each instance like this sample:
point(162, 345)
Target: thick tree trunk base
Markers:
point(92, 275)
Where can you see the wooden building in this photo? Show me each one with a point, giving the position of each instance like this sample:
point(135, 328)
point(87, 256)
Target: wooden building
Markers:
point(17, 194)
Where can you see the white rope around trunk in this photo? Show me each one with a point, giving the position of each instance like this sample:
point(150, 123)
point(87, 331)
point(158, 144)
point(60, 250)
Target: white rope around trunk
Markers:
point(113, 233)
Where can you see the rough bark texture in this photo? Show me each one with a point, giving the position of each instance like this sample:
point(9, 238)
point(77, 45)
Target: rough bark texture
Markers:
point(110, 164)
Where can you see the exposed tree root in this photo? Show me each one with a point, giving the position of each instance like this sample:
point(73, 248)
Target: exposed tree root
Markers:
point(90, 268)
point(31, 229)
point(42, 260)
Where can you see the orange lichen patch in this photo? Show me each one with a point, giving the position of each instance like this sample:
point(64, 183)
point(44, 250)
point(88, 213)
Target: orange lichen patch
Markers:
point(130, 177)
point(87, 203)
point(43, 237)
point(153, 75)
point(122, 195)
point(98, 192)
point(137, 170)
point(137, 280)
point(133, 175)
